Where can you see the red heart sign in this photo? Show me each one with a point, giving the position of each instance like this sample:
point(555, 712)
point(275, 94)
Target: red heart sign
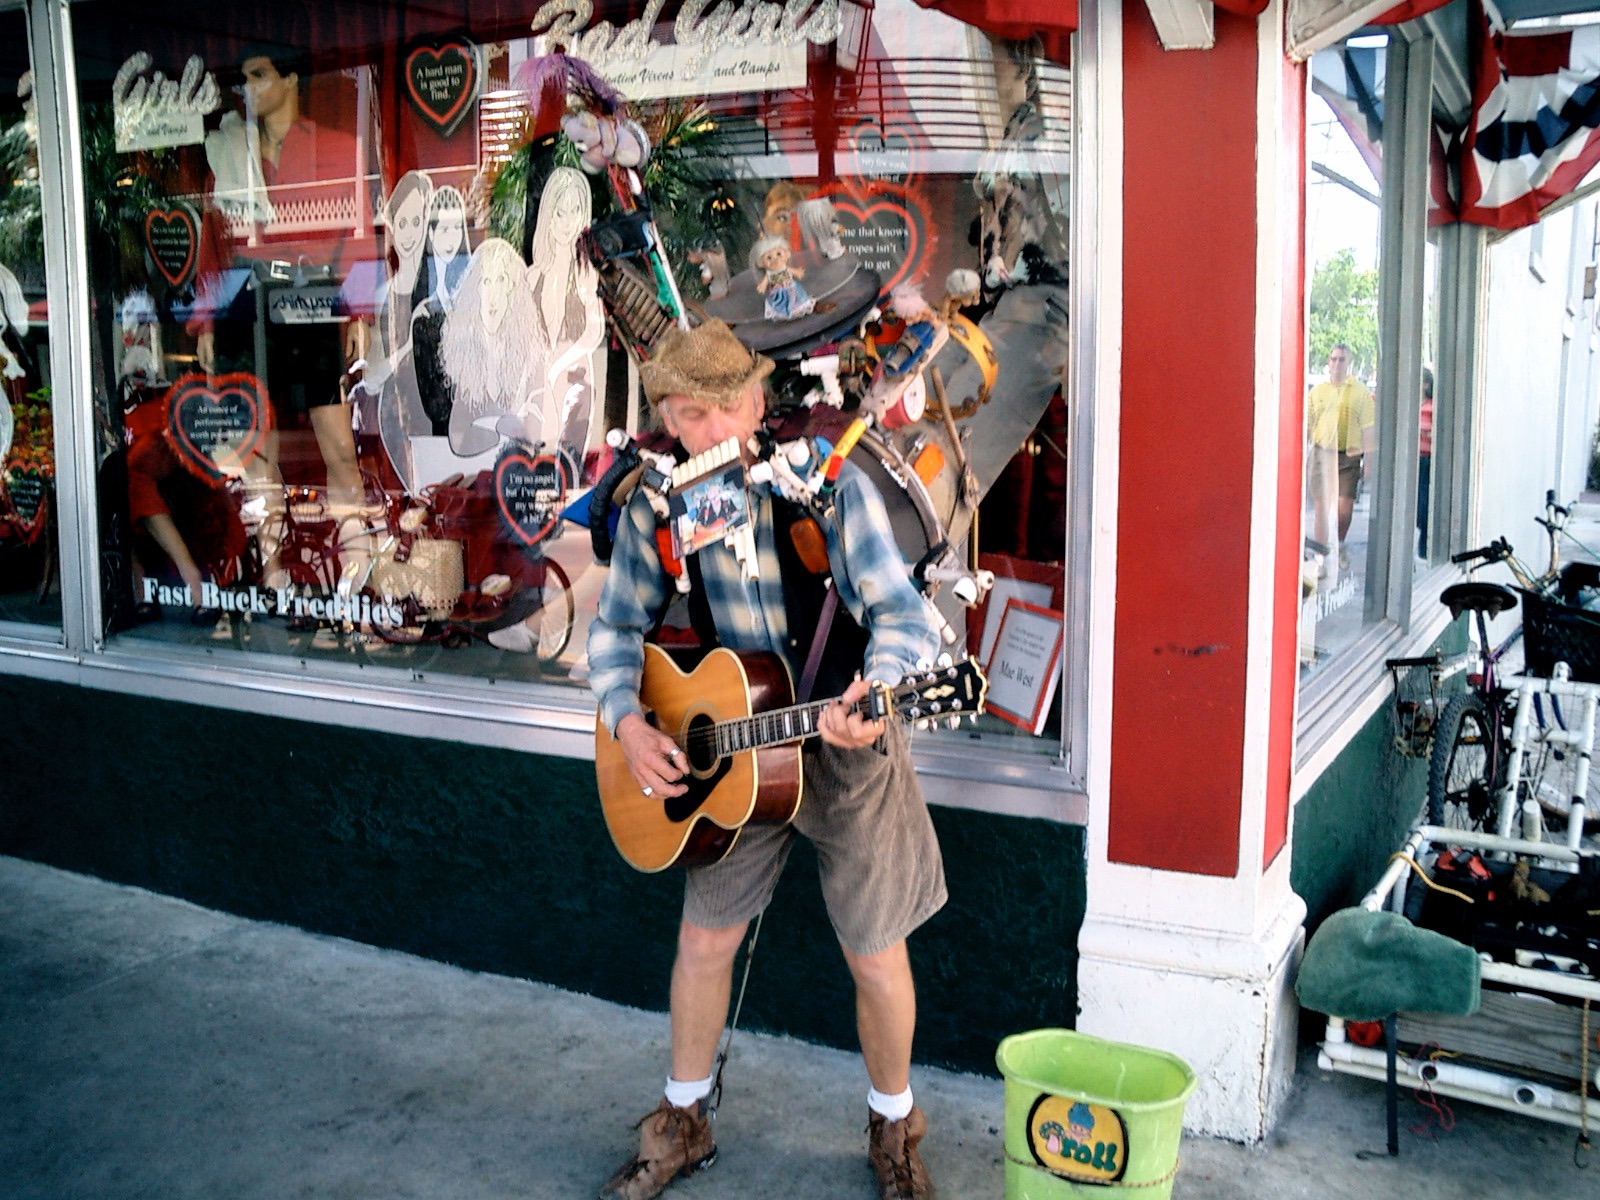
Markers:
point(530, 490)
point(442, 82)
point(25, 500)
point(218, 425)
point(172, 235)
point(880, 154)
point(885, 234)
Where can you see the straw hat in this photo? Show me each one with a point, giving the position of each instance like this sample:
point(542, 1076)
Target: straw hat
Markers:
point(708, 363)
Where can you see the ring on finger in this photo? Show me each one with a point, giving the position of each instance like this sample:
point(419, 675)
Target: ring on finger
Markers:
point(648, 792)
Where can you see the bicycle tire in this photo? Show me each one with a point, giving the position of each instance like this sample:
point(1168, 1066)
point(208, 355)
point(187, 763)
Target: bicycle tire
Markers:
point(1463, 767)
point(556, 614)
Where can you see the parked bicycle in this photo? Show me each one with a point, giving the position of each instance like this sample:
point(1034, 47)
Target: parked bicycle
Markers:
point(1502, 742)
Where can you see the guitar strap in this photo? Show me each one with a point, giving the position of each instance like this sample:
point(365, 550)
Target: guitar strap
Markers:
point(808, 677)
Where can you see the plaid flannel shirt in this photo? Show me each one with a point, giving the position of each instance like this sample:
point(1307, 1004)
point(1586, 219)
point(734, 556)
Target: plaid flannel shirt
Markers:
point(867, 568)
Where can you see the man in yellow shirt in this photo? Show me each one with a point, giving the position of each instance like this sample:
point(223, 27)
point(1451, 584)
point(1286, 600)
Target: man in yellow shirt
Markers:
point(1340, 424)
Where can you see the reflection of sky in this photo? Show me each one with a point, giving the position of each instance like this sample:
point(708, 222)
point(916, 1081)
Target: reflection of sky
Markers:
point(1337, 218)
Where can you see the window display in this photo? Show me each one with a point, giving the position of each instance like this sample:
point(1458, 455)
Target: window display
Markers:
point(28, 573)
point(370, 297)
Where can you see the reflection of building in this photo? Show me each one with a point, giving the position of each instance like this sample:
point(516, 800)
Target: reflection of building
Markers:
point(1146, 867)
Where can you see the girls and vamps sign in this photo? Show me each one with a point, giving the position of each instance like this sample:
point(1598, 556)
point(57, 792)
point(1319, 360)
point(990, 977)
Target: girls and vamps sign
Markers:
point(152, 112)
point(716, 47)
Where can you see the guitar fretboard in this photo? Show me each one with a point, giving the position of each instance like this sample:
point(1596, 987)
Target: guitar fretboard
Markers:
point(773, 728)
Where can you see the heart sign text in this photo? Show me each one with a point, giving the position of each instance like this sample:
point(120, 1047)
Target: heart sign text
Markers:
point(217, 425)
point(442, 82)
point(530, 490)
point(172, 237)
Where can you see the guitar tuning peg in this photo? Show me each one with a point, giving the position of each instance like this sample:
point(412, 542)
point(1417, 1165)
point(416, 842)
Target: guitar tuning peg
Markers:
point(955, 704)
point(945, 660)
point(924, 723)
point(924, 664)
point(953, 723)
point(935, 707)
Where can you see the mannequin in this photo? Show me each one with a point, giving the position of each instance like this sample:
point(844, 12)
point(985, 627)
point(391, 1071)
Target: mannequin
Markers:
point(257, 159)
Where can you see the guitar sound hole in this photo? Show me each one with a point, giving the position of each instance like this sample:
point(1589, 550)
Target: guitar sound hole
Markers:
point(701, 746)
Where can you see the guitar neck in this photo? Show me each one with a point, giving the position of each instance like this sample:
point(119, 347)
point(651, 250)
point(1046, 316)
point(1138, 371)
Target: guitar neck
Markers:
point(776, 727)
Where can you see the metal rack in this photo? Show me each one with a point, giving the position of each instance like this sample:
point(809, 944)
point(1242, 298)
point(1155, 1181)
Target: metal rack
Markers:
point(1517, 1008)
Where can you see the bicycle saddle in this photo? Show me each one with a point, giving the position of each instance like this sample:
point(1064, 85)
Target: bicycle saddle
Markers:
point(1491, 598)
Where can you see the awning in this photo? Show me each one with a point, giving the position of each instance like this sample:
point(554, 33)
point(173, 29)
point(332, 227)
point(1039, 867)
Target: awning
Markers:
point(1018, 20)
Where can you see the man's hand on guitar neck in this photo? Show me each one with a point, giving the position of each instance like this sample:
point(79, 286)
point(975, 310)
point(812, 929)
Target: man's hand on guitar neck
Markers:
point(838, 726)
point(653, 758)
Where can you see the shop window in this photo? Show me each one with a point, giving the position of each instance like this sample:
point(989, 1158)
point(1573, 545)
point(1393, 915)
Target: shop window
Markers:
point(30, 592)
point(364, 364)
point(1345, 142)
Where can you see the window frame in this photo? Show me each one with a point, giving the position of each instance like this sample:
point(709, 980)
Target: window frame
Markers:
point(533, 717)
point(1402, 612)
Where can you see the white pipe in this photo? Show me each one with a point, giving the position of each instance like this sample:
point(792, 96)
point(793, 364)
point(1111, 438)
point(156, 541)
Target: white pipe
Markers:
point(1580, 776)
point(1398, 867)
point(1472, 840)
point(1461, 1083)
point(1553, 687)
point(1579, 987)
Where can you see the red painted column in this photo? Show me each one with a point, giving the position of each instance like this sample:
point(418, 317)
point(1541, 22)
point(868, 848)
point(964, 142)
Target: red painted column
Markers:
point(1187, 447)
point(1290, 449)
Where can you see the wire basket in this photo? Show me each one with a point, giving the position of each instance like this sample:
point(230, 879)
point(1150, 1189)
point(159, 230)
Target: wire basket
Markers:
point(1553, 632)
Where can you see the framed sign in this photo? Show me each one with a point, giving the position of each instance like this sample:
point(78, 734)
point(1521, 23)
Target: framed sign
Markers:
point(1040, 583)
point(1024, 666)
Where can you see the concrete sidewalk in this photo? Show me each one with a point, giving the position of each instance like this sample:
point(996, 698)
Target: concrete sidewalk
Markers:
point(149, 1048)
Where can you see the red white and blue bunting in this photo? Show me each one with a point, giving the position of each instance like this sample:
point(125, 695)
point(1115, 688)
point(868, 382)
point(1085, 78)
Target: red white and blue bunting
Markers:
point(1535, 127)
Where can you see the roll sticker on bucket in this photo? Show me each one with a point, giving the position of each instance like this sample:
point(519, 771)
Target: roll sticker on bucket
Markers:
point(1078, 1140)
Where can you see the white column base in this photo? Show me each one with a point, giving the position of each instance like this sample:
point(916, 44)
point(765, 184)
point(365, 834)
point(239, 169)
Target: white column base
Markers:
point(1224, 1004)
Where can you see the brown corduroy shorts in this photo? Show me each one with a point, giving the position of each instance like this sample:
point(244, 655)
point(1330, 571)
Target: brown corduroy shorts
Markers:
point(882, 875)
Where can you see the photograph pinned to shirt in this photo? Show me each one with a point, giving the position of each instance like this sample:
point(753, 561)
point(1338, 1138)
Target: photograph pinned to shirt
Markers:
point(708, 509)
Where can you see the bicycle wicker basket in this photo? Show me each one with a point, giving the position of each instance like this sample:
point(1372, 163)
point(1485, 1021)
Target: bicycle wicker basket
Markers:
point(1554, 632)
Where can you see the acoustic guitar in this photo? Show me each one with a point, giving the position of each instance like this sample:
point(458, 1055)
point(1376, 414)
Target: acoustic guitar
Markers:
point(735, 720)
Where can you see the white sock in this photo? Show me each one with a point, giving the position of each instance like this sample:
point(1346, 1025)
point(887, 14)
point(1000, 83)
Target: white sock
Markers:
point(682, 1095)
point(895, 1108)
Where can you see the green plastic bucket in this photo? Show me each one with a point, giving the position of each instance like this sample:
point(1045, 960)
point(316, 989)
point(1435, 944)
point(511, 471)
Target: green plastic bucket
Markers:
point(1084, 1115)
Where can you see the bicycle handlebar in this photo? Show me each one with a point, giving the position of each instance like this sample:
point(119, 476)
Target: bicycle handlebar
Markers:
point(1495, 551)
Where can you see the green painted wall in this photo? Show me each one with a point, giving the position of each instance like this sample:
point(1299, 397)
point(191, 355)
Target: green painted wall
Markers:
point(499, 861)
point(1357, 812)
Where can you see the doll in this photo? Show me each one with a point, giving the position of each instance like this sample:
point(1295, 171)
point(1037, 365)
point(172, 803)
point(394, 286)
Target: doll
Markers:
point(819, 227)
point(712, 260)
point(779, 282)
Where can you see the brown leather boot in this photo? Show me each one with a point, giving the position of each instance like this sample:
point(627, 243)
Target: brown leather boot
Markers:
point(894, 1157)
point(672, 1142)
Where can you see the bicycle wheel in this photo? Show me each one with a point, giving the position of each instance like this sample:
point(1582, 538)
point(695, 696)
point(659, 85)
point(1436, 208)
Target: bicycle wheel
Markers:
point(555, 615)
point(1463, 773)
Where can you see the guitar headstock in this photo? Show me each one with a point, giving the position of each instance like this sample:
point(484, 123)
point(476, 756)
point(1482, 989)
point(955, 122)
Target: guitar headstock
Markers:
point(944, 693)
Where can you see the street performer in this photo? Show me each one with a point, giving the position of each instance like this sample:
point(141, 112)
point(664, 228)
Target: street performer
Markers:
point(882, 875)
